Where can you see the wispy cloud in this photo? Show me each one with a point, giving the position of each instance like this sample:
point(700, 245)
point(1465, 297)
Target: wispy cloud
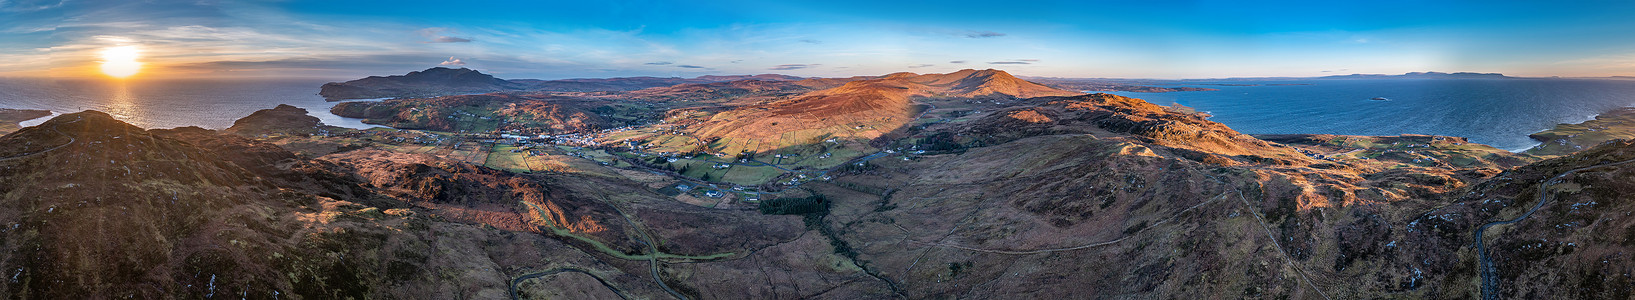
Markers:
point(29, 5)
point(810, 41)
point(658, 63)
point(957, 62)
point(786, 67)
point(452, 62)
point(920, 66)
point(983, 34)
point(436, 35)
point(1025, 61)
point(449, 39)
point(689, 66)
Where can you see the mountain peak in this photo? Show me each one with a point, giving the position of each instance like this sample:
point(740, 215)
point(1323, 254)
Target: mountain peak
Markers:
point(989, 82)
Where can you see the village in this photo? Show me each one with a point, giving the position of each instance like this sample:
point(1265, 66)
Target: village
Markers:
point(693, 171)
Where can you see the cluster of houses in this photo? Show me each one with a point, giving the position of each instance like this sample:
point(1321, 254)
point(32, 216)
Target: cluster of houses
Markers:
point(712, 193)
point(1316, 155)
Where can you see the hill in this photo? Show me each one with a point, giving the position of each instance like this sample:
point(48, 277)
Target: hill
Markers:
point(860, 109)
point(436, 81)
point(534, 113)
point(117, 210)
point(281, 119)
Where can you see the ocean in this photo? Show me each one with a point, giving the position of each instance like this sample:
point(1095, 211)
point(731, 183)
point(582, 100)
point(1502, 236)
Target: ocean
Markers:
point(1497, 112)
point(212, 104)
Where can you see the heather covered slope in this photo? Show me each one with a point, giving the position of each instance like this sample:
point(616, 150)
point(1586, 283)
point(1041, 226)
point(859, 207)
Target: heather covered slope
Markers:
point(115, 210)
point(1576, 243)
point(111, 209)
point(544, 113)
point(280, 119)
point(861, 109)
point(970, 83)
point(1101, 195)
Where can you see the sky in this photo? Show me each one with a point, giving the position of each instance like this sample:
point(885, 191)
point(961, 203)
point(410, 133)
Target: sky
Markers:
point(582, 39)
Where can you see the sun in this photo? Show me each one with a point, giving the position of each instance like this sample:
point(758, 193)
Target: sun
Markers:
point(120, 62)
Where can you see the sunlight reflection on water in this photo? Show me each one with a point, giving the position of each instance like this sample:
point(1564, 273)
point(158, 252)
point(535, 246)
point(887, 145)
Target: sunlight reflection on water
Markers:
point(213, 104)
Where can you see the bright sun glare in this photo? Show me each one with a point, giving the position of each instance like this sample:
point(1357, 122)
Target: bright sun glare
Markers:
point(120, 62)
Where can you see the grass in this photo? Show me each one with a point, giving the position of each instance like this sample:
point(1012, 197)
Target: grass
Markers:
point(745, 175)
point(1618, 124)
point(502, 158)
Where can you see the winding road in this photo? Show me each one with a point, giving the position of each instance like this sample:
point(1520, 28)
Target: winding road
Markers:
point(518, 280)
point(1485, 262)
point(653, 259)
point(71, 141)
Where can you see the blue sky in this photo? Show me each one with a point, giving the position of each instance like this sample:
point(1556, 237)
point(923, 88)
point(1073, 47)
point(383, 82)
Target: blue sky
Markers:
point(557, 39)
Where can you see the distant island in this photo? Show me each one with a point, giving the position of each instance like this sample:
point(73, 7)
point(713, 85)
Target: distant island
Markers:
point(1422, 75)
point(440, 81)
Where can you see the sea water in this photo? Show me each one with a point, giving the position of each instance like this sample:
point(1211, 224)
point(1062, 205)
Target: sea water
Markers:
point(208, 103)
point(1497, 112)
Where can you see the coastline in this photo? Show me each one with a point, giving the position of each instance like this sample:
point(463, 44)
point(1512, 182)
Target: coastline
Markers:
point(38, 121)
point(1566, 138)
point(323, 115)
